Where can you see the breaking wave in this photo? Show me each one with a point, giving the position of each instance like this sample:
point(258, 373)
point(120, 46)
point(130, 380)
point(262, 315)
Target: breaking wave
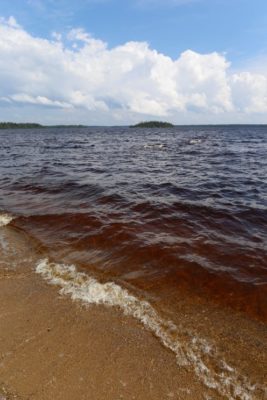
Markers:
point(196, 352)
point(5, 219)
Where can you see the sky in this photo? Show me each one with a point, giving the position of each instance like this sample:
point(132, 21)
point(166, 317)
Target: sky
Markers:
point(115, 62)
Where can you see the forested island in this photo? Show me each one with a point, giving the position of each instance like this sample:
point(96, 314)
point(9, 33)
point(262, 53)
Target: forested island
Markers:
point(30, 125)
point(14, 125)
point(153, 124)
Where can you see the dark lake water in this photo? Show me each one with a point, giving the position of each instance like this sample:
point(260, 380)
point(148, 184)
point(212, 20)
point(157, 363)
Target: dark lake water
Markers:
point(165, 211)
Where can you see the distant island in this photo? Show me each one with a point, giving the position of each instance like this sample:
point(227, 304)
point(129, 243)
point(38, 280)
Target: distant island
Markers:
point(14, 125)
point(30, 125)
point(153, 124)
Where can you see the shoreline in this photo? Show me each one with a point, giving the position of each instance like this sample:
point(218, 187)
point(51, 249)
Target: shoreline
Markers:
point(54, 347)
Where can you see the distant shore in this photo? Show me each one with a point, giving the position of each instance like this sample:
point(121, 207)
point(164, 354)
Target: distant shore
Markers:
point(144, 125)
point(30, 125)
point(153, 124)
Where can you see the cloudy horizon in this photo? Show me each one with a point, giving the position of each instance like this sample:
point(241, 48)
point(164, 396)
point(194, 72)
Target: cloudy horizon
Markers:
point(72, 77)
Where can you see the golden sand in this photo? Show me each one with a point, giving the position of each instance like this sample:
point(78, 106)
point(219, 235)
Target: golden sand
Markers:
point(54, 348)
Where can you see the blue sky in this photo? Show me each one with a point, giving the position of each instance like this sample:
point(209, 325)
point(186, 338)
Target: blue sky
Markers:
point(235, 30)
point(237, 27)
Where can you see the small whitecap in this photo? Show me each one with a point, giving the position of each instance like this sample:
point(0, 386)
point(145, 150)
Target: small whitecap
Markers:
point(195, 141)
point(155, 146)
point(5, 219)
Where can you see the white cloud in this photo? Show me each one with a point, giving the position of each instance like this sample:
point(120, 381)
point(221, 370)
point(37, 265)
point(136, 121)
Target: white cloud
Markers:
point(129, 82)
point(57, 36)
point(249, 92)
point(41, 100)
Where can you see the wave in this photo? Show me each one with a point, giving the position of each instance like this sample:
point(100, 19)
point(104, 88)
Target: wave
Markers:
point(155, 146)
point(195, 141)
point(5, 219)
point(194, 351)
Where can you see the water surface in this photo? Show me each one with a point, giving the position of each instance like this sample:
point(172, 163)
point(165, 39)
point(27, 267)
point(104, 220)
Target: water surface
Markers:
point(181, 210)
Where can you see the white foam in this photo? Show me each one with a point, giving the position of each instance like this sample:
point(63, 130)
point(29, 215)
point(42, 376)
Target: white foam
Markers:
point(5, 219)
point(155, 146)
point(193, 351)
point(195, 141)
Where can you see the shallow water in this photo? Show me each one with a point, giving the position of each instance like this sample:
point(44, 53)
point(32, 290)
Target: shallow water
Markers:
point(162, 211)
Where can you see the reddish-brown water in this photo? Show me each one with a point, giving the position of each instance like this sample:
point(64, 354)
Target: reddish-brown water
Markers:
point(167, 212)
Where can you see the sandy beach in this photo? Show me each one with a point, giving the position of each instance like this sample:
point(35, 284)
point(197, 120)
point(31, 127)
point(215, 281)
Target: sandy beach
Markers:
point(54, 348)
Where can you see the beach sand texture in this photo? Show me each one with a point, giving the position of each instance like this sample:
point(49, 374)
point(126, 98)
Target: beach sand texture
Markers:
point(54, 348)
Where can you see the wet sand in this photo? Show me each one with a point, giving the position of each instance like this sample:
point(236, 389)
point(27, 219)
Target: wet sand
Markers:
point(54, 348)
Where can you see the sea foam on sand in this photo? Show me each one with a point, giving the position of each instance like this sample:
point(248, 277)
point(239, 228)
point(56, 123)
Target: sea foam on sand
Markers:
point(194, 352)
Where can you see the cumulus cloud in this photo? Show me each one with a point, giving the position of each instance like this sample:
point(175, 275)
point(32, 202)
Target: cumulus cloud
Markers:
point(25, 98)
point(249, 92)
point(79, 73)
